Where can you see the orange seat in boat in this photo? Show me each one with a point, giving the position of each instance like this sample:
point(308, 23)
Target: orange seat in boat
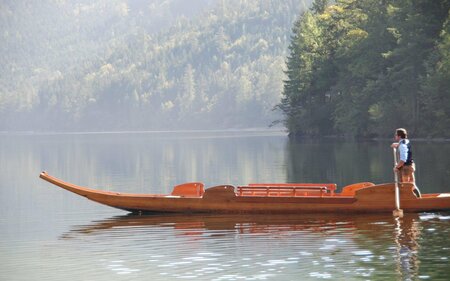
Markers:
point(350, 190)
point(191, 189)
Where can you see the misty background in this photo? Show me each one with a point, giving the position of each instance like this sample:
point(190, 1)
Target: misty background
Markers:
point(143, 65)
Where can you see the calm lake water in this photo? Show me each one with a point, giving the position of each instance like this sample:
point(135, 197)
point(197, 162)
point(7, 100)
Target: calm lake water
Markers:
point(47, 233)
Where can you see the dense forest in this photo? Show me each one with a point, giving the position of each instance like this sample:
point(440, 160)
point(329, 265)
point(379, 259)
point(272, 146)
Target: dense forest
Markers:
point(363, 68)
point(143, 65)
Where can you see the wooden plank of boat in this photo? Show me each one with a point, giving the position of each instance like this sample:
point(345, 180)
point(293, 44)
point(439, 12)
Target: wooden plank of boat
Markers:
point(274, 198)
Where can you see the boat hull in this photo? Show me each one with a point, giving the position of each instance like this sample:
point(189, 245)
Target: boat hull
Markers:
point(224, 199)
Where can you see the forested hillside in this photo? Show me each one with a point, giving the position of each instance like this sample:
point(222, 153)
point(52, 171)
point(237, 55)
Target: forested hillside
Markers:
point(363, 68)
point(142, 65)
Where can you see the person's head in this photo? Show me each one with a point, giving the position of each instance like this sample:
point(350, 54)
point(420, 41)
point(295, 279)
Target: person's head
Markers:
point(401, 133)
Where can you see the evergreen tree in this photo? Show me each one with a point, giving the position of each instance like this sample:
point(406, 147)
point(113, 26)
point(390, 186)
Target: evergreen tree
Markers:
point(377, 65)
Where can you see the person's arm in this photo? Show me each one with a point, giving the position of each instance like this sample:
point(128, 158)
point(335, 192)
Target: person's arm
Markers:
point(399, 165)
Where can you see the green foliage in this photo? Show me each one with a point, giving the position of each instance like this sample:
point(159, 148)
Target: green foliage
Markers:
point(378, 65)
point(435, 97)
point(131, 65)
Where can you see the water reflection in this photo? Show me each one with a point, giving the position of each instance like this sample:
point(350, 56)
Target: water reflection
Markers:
point(330, 246)
point(407, 246)
point(239, 224)
point(338, 161)
point(346, 162)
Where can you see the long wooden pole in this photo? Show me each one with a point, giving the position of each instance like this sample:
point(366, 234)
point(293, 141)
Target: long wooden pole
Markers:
point(397, 212)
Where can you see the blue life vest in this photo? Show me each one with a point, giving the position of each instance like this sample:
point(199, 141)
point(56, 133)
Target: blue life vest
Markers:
point(409, 159)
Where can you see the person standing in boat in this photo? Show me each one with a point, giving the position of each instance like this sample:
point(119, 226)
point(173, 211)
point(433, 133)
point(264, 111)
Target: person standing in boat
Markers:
point(405, 166)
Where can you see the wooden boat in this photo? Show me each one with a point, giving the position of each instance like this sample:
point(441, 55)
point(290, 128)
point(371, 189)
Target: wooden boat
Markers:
point(273, 198)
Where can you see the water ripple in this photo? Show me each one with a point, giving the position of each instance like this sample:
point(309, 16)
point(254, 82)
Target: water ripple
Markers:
point(237, 248)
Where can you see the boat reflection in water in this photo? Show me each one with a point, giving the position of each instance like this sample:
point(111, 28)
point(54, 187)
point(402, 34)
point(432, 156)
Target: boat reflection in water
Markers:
point(375, 246)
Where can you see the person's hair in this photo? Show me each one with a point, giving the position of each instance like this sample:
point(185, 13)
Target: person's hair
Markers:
point(401, 133)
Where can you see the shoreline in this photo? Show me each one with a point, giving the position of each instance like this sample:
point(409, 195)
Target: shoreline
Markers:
point(280, 131)
point(263, 131)
point(419, 139)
